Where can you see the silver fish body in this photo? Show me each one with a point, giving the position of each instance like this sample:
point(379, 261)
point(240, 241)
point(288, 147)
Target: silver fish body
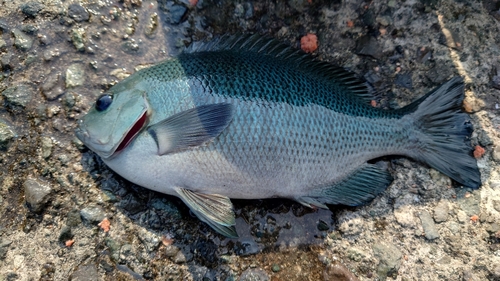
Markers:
point(247, 117)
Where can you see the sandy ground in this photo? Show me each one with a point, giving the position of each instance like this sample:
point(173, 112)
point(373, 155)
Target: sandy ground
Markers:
point(64, 215)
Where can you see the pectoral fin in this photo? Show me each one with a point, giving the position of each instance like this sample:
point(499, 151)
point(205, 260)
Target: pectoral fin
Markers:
point(213, 209)
point(191, 127)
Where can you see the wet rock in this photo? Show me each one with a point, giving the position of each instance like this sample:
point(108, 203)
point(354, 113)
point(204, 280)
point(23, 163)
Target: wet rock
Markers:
point(130, 47)
point(367, 45)
point(65, 234)
point(51, 87)
point(92, 214)
point(441, 211)
point(430, 229)
point(85, 273)
point(276, 268)
point(75, 75)
point(404, 80)
point(166, 208)
point(22, 41)
point(4, 26)
point(114, 248)
point(254, 274)
point(78, 13)
point(462, 216)
point(19, 95)
point(6, 135)
point(4, 247)
point(152, 26)
point(5, 61)
point(176, 13)
point(36, 194)
point(338, 272)
point(389, 259)
point(171, 251)
point(78, 38)
point(32, 8)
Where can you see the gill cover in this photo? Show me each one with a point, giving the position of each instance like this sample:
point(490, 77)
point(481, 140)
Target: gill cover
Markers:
point(109, 123)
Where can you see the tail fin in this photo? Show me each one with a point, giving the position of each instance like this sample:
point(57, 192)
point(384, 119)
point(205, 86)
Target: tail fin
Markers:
point(445, 131)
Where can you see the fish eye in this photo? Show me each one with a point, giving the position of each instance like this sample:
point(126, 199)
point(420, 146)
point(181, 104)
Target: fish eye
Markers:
point(103, 102)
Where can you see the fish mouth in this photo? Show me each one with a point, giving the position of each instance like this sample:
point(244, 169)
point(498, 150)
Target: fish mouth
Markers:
point(132, 133)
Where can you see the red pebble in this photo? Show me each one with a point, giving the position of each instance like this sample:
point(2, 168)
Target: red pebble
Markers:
point(309, 43)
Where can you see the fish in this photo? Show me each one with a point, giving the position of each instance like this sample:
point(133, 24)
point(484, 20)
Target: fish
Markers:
point(249, 117)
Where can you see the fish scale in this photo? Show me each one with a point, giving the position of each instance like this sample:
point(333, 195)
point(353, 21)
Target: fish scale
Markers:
point(248, 117)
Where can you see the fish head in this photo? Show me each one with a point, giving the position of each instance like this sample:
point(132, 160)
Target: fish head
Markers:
point(113, 122)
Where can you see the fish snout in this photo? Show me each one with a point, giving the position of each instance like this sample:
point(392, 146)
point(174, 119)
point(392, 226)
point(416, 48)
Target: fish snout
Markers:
point(82, 133)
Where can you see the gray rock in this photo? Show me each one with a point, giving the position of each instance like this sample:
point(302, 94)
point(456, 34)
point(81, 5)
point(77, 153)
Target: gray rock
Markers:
point(355, 254)
point(114, 248)
point(92, 214)
point(496, 271)
point(22, 41)
point(3, 44)
point(180, 257)
point(496, 153)
point(430, 229)
point(492, 227)
point(254, 274)
point(36, 194)
point(177, 12)
point(441, 211)
point(404, 80)
point(65, 234)
point(166, 208)
point(78, 13)
point(46, 146)
point(150, 240)
point(126, 252)
point(78, 38)
point(73, 218)
point(75, 75)
point(4, 247)
point(19, 95)
point(4, 26)
point(6, 135)
point(51, 87)
point(171, 251)
point(85, 273)
point(5, 61)
point(389, 258)
point(32, 8)
point(496, 205)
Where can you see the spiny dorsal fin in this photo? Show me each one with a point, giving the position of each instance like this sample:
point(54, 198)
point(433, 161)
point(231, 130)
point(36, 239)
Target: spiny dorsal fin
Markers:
point(267, 46)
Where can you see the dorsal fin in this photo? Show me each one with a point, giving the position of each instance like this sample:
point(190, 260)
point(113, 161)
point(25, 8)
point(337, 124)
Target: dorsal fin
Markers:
point(296, 58)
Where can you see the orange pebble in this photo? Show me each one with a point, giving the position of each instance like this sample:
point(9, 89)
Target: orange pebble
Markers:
point(69, 243)
point(350, 23)
point(474, 218)
point(309, 43)
point(193, 2)
point(478, 151)
point(105, 224)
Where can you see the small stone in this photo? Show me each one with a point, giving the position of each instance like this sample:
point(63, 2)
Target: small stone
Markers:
point(180, 257)
point(404, 216)
point(22, 41)
point(355, 254)
point(4, 248)
point(496, 272)
point(78, 13)
point(46, 145)
point(130, 47)
point(177, 12)
point(150, 240)
point(86, 272)
point(254, 274)
point(3, 44)
point(171, 251)
point(478, 152)
point(389, 259)
point(276, 268)
point(32, 8)
point(78, 39)
point(19, 95)
point(441, 211)
point(114, 248)
point(152, 26)
point(404, 80)
point(92, 214)
point(469, 202)
point(430, 229)
point(338, 272)
point(126, 251)
point(493, 227)
point(496, 205)
point(309, 43)
point(65, 234)
point(52, 86)
point(36, 194)
point(73, 218)
point(367, 45)
point(75, 75)
point(496, 153)
point(462, 216)
point(6, 135)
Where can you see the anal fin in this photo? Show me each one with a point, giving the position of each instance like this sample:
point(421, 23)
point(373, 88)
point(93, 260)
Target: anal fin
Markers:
point(213, 209)
point(359, 188)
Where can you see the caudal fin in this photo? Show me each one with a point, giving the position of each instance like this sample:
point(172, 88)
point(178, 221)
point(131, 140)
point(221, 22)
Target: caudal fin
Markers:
point(443, 142)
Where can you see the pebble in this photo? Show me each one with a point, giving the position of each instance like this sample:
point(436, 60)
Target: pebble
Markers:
point(114, 248)
point(338, 272)
point(4, 247)
point(150, 240)
point(73, 218)
point(77, 37)
point(51, 87)
point(276, 268)
point(367, 45)
point(299, 5)
point(404, 216)
point(75, 75)
point(36, 194)
point(92, 214)
point(46, 144)
point(65, 234)
point(177, 12)
point(496, 153)
point(441, 211)
point(19, 95)
point(125, 252)
point(462, 216)
point(469, 202)
point(355, 254)
point(389, 259)
point(254, 274)
point(404, 80)
point(3, 44)
point(180, 258)
point(6, 135)
point(430, 229)
point(171, 251)
point(32, 8)
point(87, 272)
point(496, 205)
point(78, 13)
point(352, 226)
point(493, 227)
point(22, 41)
